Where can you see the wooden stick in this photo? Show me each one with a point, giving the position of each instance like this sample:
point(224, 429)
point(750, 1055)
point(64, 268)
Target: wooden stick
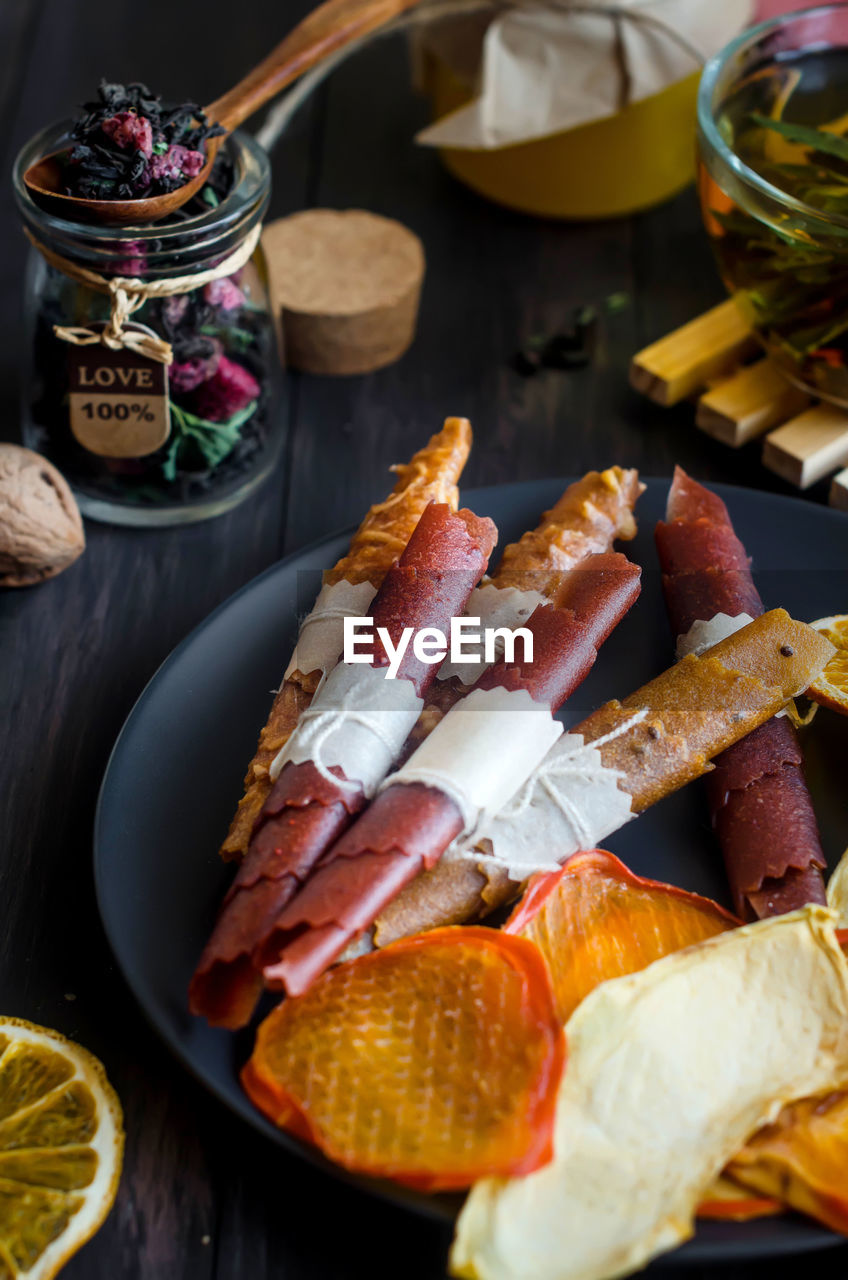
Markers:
point(808, 447)
point(749, 403)
point(708, 347)
point(839, 491)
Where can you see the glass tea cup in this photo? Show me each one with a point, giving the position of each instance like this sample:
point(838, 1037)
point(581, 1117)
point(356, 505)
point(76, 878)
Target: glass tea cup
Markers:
point(773, 187)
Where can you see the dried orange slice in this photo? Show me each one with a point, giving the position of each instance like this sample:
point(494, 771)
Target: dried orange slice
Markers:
point(594, 919)
point(831, 687)
point(61, 1149)
point(435, 1061)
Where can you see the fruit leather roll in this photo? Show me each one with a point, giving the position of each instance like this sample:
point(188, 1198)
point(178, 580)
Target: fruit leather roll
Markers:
point(473, 762)
point(761, 808)
point(349, 587)
point(591, 514)
point(625, 757)
point(765, 823)
point(342, 747)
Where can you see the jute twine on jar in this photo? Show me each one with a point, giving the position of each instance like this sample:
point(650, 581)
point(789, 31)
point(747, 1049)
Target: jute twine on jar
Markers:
point(127, 294)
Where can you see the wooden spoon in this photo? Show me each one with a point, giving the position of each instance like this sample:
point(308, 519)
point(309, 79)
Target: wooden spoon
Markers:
point(327, 28)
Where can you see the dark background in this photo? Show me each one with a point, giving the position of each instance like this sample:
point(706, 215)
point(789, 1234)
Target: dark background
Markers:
point(201, 1195)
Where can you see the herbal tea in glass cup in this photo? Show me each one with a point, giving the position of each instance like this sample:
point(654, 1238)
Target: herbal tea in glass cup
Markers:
point(773, 186)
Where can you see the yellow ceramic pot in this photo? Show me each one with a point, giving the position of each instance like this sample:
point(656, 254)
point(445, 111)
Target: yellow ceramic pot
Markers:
point(618, 165)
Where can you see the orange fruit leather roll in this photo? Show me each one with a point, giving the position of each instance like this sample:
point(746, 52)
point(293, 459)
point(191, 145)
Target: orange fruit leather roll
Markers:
point(592, 514)
point(430, 476)
point(658, 739)
point(595, 920)
point(761, 809)
point(705, 703)
point(434, 1062)
point(310, 806)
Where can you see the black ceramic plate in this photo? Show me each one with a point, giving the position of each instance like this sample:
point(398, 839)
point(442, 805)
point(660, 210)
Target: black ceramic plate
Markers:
point(176, 771)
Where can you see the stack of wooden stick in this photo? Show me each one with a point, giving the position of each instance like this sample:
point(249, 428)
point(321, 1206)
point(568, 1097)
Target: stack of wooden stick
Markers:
point(741, 396)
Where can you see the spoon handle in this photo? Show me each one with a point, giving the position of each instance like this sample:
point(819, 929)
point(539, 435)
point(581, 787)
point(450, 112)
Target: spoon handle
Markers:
point(333, 24)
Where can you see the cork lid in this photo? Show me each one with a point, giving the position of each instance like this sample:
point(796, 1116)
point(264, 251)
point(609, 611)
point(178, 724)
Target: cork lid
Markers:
point(341, 263)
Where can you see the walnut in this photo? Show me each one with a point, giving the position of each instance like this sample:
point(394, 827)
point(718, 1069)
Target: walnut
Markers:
point(41, 529)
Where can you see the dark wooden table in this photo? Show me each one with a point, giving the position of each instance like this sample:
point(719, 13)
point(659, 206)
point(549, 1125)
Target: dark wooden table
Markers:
point(201, 1195)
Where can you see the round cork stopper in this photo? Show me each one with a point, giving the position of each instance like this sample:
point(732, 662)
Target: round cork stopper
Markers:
point(347, 285)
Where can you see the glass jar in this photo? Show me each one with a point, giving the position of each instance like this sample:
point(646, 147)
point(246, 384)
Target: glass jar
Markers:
point(215, 432)
point(776, 211)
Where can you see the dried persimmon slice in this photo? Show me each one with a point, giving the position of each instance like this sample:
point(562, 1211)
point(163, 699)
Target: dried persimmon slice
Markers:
point(802, 1157)
point(728, 1201)
point(434, 1062)
point(594, 920)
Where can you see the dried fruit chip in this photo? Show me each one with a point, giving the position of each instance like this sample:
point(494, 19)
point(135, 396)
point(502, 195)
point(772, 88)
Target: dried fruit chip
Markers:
point(61, 1148)
point(594, 919)
point(803, 1157)
point(669, 1072)
point(433, 1062)
point(831, 687)
point(837, 891)
point(728, 1201)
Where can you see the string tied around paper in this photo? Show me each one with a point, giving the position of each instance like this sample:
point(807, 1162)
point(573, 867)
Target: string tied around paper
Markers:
point(581, 761)
point(127, 294)
point(358, 721)
point(326, 722)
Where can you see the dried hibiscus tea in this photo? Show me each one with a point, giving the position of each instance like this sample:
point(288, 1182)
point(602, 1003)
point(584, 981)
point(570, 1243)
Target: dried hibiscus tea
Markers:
point(128, 145)
point(174, 420)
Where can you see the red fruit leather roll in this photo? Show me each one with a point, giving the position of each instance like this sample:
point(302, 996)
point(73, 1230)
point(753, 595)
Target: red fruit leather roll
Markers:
point(409, 825)
point(760, 805)
point(704, 567)
point(306, 811)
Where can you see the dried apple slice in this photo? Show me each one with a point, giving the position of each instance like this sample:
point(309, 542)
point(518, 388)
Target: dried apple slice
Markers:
point(670, 1071)
point(594, 920)
point(837, 891)
point(803, 1156)
point(433, 1062)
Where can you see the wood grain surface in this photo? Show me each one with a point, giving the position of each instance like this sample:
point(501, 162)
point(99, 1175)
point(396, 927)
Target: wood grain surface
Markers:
point(201, 1195)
